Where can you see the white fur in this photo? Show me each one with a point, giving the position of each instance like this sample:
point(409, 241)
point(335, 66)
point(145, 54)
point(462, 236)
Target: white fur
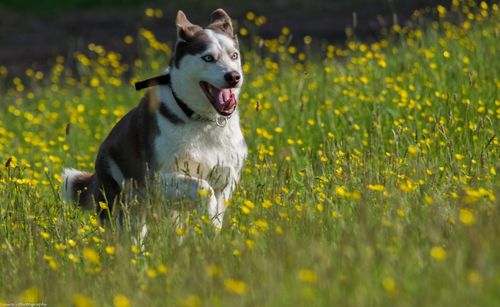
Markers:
point(199, 154)
point(68, 177)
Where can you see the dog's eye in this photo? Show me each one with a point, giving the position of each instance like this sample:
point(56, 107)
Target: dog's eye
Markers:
point(234, 56)
point(208, 58)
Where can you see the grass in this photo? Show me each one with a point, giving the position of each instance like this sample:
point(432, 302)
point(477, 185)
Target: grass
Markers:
point(371, 179)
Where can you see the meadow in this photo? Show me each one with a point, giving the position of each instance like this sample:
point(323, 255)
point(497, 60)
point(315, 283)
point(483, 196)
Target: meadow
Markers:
point(371, 177)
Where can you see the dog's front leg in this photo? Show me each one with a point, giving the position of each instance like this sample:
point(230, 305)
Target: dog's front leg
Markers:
point(223, 179)
point(182, 187)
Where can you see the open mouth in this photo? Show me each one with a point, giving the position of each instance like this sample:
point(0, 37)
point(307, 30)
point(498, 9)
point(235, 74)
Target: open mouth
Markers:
point(223, 99)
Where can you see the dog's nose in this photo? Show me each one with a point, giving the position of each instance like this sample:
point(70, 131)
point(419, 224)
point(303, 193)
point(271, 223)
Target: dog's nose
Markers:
point(232, 78)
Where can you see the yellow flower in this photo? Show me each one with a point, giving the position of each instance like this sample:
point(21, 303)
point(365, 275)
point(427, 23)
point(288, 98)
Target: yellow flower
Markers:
point(149, 12)
point(203, 192)
point(158, 13)
point(31, 295)
point(467, 217)
point(245, 210)
point(243, 31)
point(121, 301)
point(151, 273)
point(428, 200)
point(91, 255)
point(80, 300)
point(250, 15)
point(412, 150)
point(235, 286)
point(341, 191)
point(262, 224)
point(250, 243)
point(307, 276)
point(237, 253)
point(407, 186)
point(103, 205)
point(438, 253)
point(382, 63)
point(94, 82)
point(266, 204)
point(249, 204)
point(162, 269)
point(259, 21)
point(472, 196)
point(73, 258)
point(134, 249)
point(190, 301)
point(400, 212)
point(128, 39)
point(53, 264)
point(474, 277)
point(389, 285)
point(376, 187)
point(212, 270)
point(355, 195)
point(441, 10)
point(278, 230)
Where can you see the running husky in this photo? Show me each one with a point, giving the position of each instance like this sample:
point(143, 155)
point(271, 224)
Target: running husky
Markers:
point(186, 129)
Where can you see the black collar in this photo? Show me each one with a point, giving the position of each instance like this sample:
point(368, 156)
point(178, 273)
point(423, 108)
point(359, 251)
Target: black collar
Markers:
point(187, 110)
point(165, 80)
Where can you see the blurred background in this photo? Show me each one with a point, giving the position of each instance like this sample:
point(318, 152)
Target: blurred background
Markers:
point(34, 32)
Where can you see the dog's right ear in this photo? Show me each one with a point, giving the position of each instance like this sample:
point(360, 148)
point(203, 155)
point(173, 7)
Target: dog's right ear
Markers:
point(185, 29)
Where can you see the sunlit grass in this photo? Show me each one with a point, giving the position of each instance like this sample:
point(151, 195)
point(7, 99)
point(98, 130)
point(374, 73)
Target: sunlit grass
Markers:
point(371, 179)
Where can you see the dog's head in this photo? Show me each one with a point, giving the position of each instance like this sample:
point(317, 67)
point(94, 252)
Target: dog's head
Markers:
point(206, 67)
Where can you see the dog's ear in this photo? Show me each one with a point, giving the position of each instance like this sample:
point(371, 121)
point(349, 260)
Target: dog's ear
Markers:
point(220, 20)
point(185, 29)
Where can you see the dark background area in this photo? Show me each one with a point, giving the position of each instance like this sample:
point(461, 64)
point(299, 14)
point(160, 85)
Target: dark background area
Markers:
point(33, 33)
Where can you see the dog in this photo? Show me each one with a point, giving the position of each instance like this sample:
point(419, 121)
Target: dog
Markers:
point(185, 131)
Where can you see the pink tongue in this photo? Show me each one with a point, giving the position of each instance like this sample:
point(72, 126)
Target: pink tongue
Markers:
point(226, 100)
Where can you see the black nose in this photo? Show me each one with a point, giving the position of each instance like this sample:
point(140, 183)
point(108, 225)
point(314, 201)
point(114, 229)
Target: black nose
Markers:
point(232, 78)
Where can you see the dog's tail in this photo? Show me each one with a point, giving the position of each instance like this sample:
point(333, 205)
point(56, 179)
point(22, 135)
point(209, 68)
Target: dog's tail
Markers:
point(77, 187)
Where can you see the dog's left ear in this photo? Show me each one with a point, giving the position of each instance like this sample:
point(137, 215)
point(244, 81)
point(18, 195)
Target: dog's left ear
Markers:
point(220, 20)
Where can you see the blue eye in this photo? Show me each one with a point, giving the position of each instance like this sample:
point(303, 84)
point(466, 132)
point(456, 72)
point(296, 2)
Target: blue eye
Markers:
point(208, 58)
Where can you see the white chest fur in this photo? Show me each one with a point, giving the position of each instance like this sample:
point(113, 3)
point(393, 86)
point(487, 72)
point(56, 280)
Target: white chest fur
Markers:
point(198, 148)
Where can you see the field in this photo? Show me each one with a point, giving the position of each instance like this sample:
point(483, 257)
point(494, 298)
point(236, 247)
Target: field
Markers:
point(371, 177)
